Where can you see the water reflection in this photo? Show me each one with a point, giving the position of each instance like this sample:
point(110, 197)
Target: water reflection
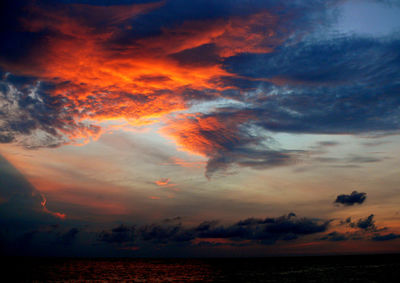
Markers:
point(383, 268)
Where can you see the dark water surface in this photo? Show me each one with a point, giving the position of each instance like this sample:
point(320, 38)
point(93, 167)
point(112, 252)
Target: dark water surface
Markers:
point(366, 268)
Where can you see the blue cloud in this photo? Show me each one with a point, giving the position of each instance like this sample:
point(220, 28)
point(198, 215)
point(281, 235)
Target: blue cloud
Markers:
point(344, 85)
point(343, 60)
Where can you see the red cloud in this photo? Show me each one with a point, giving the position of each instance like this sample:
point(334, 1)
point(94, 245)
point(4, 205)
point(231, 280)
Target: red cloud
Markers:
point(253, 33)
point(97, 78)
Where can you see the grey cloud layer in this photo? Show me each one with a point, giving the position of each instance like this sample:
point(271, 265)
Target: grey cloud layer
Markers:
point(264, 231)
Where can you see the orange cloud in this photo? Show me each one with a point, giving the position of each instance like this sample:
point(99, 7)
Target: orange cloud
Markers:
point(188, 164)
point(253, 33)
point(99, 79)
point(162, 182)
point(204, 135)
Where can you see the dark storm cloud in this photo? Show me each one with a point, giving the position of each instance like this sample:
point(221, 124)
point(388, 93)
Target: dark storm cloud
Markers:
point(351, 199)
point(364, 225)
point(268, 230)
point(263, 231)
point(367, 224)
point(120, 234)
point(385, 237)
point(362, 229)
point(165, 233)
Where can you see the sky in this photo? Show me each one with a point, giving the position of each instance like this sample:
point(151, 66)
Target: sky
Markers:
point(199, 128)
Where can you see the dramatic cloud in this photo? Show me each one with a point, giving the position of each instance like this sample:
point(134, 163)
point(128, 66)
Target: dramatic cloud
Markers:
point(140, 62)
point(351, 199)
point(108, 73)
point(244, 85)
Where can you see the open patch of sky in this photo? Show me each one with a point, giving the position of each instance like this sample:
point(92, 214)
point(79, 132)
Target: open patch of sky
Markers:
point(369, 18)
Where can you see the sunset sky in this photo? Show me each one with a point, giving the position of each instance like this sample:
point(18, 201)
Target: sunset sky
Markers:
point(199, 128)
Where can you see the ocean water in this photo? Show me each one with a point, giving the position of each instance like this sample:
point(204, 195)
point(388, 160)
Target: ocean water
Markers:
point(371, 268)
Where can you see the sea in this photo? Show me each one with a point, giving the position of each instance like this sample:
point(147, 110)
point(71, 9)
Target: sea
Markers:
point(354, 268)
